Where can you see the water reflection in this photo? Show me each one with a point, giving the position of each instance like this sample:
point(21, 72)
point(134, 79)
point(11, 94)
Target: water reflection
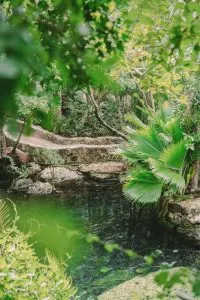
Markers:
point(59, 223)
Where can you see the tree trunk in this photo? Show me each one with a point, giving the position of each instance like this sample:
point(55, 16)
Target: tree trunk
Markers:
point(101, 120)
point(2, 142)
point(19, 137)
point(195, 180)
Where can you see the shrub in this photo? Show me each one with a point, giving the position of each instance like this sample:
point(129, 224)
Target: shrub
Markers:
point(23, 276)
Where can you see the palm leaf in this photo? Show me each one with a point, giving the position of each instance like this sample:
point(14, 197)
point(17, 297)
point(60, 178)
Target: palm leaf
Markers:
point(174, 129)
point(149, 143)
point(130, 154)
point(166, 175)
point(5, 219)
point(174, 156)
point(143, 188)
point(133, 119)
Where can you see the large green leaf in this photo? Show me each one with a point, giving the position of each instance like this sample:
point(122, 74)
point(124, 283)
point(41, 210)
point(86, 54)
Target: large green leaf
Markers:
point(130, 154)
point(134, 120)
point(174, 129)
point(174, 156)
point(149, 143)
point(143, 188)
point(166, 175)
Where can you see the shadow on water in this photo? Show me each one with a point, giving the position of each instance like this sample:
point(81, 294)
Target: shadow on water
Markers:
point(60, 223)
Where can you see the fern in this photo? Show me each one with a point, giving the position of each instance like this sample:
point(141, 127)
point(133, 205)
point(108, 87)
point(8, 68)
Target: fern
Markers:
point(5, 220)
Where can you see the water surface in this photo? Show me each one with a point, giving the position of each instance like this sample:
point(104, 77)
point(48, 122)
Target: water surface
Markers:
point(61, 223)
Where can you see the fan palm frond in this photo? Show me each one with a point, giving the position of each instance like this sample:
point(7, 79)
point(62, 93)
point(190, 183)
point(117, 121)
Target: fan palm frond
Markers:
point(143, 188)
point(173, 128)
point(174, 156)
point(167, 175)
point(148, 143)
point(134, 120)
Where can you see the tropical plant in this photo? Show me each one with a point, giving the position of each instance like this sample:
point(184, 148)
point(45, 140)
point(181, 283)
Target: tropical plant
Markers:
point(23, 276)
point(158, 152)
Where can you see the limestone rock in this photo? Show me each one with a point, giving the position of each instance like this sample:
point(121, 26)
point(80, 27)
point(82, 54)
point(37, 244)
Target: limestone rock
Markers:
point(185, 217)
point(60, 175)
point(144, 287)
point(33, 169)
point(22, 185)
point(40, 188)
point(105, 170)
point(20, 157)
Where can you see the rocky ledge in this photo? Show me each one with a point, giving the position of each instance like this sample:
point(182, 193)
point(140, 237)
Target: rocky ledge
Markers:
point(184, 217)
point(145, 287)
point(45, 181)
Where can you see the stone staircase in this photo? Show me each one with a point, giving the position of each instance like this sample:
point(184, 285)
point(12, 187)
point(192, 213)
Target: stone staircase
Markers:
point(75, 151)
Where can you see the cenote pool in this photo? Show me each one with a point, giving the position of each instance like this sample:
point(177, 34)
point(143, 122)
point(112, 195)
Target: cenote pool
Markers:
point(60, 223)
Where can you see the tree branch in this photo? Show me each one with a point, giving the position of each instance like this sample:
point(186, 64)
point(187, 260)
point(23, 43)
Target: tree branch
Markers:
point(98, 115)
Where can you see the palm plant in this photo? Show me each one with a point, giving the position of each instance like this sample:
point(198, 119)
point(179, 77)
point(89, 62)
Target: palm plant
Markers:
point(157, 151)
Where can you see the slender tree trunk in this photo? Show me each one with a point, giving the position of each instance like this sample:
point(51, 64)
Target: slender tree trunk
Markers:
point(19, 137)
point(101, 120)
point(195, 180)
point(2, 142)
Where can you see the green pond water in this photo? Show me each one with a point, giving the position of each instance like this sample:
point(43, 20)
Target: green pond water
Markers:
point(61, 223)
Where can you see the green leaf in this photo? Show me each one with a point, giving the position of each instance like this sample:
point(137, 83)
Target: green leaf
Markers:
point(105, 270)
point(111, 247)
point(148, 260)
point(144, 188)
point(162, 277)
point(174, 129)
point(196, 287)
point(166, 174)
point(133, 119)
point(146, 20)
point(174, 156)
point(148, 143)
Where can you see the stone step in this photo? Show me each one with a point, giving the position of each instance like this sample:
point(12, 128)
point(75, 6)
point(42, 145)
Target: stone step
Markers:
point(73, 150)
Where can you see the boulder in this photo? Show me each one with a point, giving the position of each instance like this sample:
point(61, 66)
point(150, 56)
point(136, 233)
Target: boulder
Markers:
point(184, 216)
point(33, 169)
point(27, 185)
point(20, 157)
point(103, 171)
point(60, 175)
point(40, 188)
point(145, 287)
point(22, 185)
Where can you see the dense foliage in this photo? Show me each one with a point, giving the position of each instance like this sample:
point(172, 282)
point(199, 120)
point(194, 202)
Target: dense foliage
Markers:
point(23, 275)
point(158, 152)
point(78, 67)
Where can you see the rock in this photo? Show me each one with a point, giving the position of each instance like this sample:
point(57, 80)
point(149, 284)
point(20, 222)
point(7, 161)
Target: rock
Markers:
point(74, 151)
point(60, 175)
point(20, 157)
point(33, 169)
point(144, 287)
point(103, 171)
point(22, 185)
point(40, 188)
point(184, 216)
